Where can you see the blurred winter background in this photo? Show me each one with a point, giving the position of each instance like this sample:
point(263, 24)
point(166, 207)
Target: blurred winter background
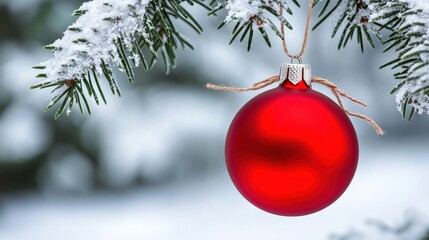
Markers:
point(150, 164)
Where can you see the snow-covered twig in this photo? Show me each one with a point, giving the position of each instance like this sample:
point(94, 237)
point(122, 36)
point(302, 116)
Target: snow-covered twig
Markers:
point(118, 33)
point(401, 25)
point(107, 34)
point(413, 52)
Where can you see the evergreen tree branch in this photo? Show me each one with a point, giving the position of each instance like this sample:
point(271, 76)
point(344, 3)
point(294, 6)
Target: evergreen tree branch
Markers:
point(124, 34)
point(257, 14)
point(403, 27)
point(108, 34)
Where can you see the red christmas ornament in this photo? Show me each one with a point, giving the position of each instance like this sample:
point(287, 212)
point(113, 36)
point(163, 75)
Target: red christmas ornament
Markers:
point(292, 151)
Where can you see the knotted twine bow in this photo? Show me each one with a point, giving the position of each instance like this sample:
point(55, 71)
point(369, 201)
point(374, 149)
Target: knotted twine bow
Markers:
point(335, 90)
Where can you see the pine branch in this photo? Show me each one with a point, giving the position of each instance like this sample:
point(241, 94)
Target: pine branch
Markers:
point(124, 34)
point(405, 27)
point(109, 34)
point(255, 14)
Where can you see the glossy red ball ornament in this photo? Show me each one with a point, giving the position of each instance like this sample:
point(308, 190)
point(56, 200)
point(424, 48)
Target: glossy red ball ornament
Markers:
point(292, 151)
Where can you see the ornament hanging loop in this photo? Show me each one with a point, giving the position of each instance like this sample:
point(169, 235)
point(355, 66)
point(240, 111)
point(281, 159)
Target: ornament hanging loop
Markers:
point(335, 90)
point(306, 32)
point(297, 58)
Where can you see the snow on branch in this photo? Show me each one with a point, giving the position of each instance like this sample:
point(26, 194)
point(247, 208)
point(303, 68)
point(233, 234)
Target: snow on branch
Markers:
point(402, 26)
point(242, 10)
point(413, 59)
point(111, 33)
point(122, 33)
point(103, 33)
point(250, 14)
point(93, 38)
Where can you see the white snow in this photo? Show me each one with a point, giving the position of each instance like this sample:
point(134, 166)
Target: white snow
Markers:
point(419, 76)
point(389, 181)
point(422, 74)
point(243, 10)
point(127, 18)
point(96, 38)
point(385, 187)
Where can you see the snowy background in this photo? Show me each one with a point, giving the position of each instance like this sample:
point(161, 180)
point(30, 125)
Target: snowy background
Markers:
point(150, 165)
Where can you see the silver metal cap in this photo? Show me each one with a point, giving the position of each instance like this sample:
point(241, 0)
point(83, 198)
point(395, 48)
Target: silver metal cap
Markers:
point(295, 73)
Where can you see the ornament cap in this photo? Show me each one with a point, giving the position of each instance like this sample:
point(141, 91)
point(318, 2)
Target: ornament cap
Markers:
point(295, 73)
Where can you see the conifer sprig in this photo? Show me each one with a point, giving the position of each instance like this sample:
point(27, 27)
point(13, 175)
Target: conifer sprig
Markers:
point(124, 34)
point(128, 33)
point(261, 16)
point(401, 26)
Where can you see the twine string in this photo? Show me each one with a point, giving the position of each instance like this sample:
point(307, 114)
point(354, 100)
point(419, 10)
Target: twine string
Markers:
point(256, 86)
point(338, 93)
point(306, 31)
